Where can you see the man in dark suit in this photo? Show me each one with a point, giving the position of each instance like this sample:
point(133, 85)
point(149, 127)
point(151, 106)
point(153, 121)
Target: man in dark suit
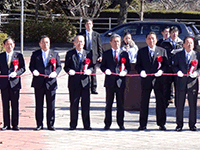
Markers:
point(184, 64)
point(147, 63)
point(112, 61)
point(165, 34)
point(11, 64)
point(173, 45)
point(92, 43)
point(76, 61)
point(46, 62)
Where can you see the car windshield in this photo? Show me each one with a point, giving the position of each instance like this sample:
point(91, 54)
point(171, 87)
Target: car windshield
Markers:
point(193, 30)
point(132, 29)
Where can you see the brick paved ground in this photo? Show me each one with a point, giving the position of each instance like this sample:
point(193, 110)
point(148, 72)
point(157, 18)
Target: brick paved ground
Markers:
point(113, 139)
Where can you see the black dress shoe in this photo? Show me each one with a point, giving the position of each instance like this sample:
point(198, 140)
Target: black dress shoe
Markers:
point(106, 128)
point(163, 128)
point(142, 128)
point(5, 128)
point(51, 128)
point(39, 128)
point(94, 92)
point(16, 128)
point(178, 128)
point(193, 128)
point(88, 128)
point(72, 128)
point(121, 127)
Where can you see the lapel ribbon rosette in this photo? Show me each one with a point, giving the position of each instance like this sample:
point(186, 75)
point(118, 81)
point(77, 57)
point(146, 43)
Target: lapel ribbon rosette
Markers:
point(87, 62)
point(123, 61)
point(159, 60)
point(53, 62)
point(16, 64)
point(193, 65)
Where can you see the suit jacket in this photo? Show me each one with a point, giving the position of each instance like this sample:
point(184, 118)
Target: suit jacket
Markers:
point(145, 62)
point(72, 62)
point(181, 64)
point(171, 51)
point(159, 42)
point(108, 62)
point(15, 83)
point(96, 45)
point(37, 63)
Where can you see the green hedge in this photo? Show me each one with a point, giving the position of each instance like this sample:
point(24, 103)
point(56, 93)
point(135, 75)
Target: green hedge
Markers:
point(59, 31)
point(3, 36)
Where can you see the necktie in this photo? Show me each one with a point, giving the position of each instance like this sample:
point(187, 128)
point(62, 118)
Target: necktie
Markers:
point(89, 41)
point(116, 60)
point(80, 57)
point(152, 53)
point(174, 44)
point(45, 59)
point(9, 60)
point(188, 59)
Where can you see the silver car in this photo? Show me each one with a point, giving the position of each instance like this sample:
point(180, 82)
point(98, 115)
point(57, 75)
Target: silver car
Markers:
point(139, 30)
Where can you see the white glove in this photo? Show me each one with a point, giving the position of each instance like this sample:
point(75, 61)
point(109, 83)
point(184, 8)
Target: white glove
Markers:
point(71, 72)
point(108, 72)
point(87, 72)
point(180, 74)
point(12, 75)
point(194, 74)
point(159, 73)
point(143, 74)
point(36, 73)
point(53, 75)
point(122, 73)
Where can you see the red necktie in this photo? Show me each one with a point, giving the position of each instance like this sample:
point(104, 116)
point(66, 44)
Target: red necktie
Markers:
point(116, 60)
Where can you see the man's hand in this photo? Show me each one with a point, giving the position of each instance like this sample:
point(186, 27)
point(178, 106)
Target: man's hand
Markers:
point(99, 59)
point(180, 74)
point(53, 75)
point(87, 72)
point(71, 72)
point(108, 72)
point(123, 73)
point(143, 74)
point(36, 73)
point(12, 75)
point(194, 74)
point(159, 73)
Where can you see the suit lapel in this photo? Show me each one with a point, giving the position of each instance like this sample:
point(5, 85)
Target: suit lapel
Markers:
point(5, 59)
point(75, 59)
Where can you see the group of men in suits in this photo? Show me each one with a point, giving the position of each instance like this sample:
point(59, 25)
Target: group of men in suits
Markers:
point(43, 61)
point(152, 62)
point(80, 62)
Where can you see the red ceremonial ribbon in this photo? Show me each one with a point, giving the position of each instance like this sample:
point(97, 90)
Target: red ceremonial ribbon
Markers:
point(53, 62)
point(193, 65)
point(123, 61)
point(87, 62)
point(159, 59)
point(16, 64)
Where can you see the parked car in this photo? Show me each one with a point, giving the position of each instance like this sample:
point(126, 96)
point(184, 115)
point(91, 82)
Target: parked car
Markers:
point(139, 30)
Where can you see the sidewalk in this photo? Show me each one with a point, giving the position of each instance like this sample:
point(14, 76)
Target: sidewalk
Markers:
point(113, 139)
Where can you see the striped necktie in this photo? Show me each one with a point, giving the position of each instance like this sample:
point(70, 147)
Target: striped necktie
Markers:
point(9, 60)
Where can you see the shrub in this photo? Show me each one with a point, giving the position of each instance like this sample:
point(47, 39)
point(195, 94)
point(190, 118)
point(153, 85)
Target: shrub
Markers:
point(3, 36)
point(58, 30)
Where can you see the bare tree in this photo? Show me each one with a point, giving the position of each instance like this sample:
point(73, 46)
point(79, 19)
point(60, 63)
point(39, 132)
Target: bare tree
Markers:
point(37, 4)
point(184, 5)
point(84, 8)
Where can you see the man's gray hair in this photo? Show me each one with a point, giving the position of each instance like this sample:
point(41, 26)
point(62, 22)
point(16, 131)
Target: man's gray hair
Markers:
point(114, 36)
point(77, 37)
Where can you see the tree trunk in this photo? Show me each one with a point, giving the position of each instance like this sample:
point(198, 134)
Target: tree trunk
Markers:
point(142, 11)
point(123, 12)
point(36, 9)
